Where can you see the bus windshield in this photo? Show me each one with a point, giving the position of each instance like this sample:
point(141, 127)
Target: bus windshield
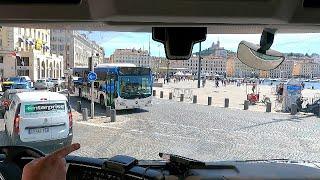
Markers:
point(132, 87)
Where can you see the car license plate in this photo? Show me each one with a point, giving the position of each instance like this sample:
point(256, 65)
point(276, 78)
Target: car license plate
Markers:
point(38, 130)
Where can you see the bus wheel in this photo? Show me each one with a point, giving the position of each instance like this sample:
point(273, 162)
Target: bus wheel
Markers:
point(102, 101)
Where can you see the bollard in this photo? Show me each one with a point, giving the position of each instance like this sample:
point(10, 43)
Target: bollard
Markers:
point(195, 98)
point(181, 97)
point(226, 102)
point(108, 111)
point(170, 95)
point(246, 105)
point(209, 101)
point(79, 106)
point(113, 114)
point(154, 93)
point(294, 109)
point(161, 94)
point(268, 107)
point(84, 114)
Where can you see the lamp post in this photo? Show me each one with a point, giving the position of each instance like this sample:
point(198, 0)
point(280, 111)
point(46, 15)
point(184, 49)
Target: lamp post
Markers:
point(199, 65)
point(168, 63)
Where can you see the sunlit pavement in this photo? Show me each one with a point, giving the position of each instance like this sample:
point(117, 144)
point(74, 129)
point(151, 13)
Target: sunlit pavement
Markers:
point(200, 132)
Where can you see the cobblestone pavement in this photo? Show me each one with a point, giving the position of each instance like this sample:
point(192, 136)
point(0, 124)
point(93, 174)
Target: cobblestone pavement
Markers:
point(200, 132)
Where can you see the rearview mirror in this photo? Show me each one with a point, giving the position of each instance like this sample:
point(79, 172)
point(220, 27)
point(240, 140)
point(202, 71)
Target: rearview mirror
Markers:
point(260, 56)
point(249, 55)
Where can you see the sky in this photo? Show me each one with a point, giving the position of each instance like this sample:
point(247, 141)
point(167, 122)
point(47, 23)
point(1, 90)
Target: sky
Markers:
point(286, 43)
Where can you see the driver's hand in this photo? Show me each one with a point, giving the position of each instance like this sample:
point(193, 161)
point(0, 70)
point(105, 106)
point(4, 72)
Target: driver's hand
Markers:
point(51, 167)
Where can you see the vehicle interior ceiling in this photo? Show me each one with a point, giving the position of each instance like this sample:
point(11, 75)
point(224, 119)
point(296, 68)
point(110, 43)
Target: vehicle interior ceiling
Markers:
point(220, 16)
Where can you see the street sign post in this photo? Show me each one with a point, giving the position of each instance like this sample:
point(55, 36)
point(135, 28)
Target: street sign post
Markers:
point(92, 76)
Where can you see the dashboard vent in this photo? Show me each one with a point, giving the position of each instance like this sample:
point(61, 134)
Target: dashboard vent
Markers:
point(311, 4)
point(26, 2)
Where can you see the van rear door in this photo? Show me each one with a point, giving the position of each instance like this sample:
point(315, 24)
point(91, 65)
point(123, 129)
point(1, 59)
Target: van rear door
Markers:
point(60, 120)
point(43, 120)
point(35, 122)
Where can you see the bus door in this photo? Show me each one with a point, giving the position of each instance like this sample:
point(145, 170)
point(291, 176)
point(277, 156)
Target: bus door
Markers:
point(111, 89)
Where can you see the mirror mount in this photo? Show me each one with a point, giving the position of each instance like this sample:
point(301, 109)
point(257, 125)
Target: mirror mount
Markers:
point(178, 41)
point(266, 40)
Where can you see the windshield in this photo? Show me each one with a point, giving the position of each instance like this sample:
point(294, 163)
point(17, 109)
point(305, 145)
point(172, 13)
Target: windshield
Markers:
point(14, 79)
point(135, 87)
point(19, 86)
point(218, 109)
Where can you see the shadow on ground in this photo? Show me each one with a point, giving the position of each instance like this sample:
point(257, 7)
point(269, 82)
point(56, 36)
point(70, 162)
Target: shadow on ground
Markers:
point(293, 118)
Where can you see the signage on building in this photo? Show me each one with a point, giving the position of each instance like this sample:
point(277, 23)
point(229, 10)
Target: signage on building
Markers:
point(39, 44)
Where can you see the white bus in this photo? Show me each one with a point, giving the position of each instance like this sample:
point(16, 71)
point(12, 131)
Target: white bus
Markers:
point(121, 86)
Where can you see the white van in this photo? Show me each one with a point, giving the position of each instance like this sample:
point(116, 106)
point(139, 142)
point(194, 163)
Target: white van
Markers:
point(39, 119)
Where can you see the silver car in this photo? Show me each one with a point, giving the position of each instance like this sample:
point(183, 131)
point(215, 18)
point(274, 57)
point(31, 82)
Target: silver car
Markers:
point(43, 84)
point(57, 81)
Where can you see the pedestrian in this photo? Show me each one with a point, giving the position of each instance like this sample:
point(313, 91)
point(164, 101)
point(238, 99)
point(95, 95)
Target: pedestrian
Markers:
point(253, 87)
point(217, 83)
point(302, 84)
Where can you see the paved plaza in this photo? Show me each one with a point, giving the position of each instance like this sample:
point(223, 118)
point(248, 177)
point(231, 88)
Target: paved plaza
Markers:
point(236, 94)
point(202, 132)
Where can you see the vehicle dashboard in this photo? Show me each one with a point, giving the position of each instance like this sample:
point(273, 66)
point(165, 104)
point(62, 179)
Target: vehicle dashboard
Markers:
point(90, 168)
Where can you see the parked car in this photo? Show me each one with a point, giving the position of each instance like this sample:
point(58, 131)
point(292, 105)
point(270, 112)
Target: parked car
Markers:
point(5, 99)
point(25, 85)
point(57, 81)
point(43, 84)
point(77, 80)
point(16, 80)
point(39, 119)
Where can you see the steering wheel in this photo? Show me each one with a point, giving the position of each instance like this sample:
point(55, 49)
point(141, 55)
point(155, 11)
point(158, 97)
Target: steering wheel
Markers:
point(9, 168)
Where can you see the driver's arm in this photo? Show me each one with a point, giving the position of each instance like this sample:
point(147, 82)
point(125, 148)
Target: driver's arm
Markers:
point(51, 167)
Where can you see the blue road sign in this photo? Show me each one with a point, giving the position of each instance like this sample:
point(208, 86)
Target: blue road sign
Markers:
point(92, 76)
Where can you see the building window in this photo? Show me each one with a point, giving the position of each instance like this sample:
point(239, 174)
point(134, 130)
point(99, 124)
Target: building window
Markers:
point(61, 47)
point(1, 59)
point(23, 61)
point(23, 72)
